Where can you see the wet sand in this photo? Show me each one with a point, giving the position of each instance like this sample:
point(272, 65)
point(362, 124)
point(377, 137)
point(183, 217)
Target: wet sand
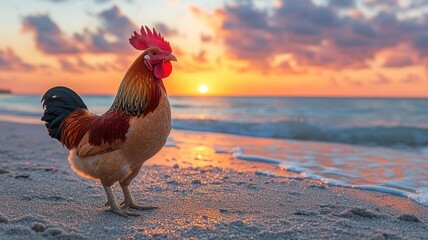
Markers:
point(200, 194)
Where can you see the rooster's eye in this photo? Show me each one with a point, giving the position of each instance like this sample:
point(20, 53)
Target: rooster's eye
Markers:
point(154, 53)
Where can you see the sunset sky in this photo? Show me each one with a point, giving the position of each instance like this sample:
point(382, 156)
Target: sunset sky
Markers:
point(279, 47)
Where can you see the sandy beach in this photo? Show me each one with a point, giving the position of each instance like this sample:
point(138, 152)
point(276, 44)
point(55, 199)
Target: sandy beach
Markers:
point(203, 195)
point(280, 119)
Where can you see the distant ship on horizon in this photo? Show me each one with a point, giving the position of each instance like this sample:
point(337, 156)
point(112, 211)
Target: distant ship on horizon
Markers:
point(5, 91)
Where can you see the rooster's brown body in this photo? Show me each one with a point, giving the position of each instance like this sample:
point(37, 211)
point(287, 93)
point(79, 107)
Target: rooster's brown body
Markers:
point(123, 141)
point(113, 147)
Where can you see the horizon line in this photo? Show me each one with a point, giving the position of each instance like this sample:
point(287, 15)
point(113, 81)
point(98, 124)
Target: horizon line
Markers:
point(248, 96)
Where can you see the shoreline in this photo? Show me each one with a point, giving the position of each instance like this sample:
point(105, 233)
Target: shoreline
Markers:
point(195, 149)
point(208, 195)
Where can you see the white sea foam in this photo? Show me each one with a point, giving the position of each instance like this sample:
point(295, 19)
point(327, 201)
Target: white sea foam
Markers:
point(295, 169)
point(311, 169)
point(255, 158)
point(170, 142)
point(265, 173)
point(421, 196)
point(383, 189)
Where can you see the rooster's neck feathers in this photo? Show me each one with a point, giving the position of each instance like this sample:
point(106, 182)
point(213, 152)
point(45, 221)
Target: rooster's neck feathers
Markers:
point(140, 91)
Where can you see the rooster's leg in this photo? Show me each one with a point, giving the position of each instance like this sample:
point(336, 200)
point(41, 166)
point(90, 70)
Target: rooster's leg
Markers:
point(129, 201)
point(113, 205)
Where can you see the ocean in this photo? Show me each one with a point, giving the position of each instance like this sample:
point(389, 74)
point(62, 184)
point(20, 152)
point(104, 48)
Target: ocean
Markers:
point(375, 144)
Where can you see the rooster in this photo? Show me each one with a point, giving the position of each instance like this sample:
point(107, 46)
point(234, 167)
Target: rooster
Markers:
point(113, 147)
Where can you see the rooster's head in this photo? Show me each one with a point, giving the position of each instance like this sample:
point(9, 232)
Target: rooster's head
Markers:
point(157, 52)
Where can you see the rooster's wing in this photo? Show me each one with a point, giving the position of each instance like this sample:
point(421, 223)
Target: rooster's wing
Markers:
point(90, 134)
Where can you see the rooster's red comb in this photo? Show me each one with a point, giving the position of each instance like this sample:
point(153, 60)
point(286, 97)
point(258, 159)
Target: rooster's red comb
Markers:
point(149, 39)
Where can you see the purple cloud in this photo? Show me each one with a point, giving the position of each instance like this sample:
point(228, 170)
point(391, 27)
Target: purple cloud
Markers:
point(68, 66)
point(9, 61)
point(165, 30)
point(398, 61)
point(342, 3)
point(112, 36)
point(320, 35)
point(48, 37)
point(420, 42)
point(79, 66)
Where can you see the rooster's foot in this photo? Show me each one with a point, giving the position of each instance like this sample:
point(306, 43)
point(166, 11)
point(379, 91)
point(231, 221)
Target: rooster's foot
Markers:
point(113, 205)
point(136, 206)
point(123, 213)
point(129, 201)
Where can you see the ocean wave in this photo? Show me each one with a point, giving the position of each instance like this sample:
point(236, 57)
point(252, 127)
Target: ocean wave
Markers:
point(386, 136)
point(23, 113)
point(397, 136)
point(419, 195)
point(181, 106)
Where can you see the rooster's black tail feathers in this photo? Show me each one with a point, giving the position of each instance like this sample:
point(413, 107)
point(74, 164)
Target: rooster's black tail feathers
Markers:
point(58, 103)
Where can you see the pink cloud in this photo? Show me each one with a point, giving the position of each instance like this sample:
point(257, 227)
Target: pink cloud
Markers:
point(315, 35)
point(111, 37)
point(47, 35)
point(9, 61)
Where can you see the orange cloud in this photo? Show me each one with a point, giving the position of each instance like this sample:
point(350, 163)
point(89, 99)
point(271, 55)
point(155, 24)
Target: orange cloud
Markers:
point(314, 35)
point(9, 61)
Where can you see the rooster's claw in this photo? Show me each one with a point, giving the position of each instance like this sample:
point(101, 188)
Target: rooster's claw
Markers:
point(122, 213)
point(135, 206)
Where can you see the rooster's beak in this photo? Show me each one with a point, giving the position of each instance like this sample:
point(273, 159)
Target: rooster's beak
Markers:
point(171, 58)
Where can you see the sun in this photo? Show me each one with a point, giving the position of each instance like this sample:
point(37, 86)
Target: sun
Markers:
point(203, 89)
